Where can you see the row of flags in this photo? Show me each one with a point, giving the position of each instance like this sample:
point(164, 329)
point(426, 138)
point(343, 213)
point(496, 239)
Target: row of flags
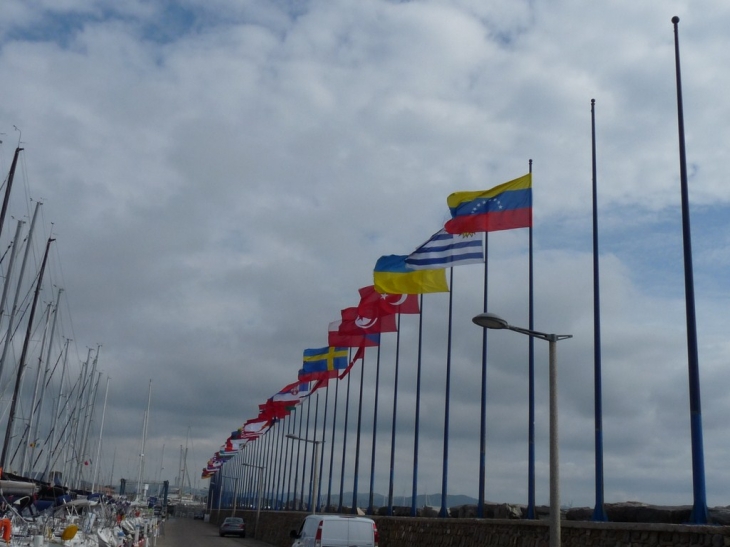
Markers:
point(397, 280)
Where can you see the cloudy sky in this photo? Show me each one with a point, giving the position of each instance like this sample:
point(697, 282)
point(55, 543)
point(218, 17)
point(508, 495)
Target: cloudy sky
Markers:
point(221, 176)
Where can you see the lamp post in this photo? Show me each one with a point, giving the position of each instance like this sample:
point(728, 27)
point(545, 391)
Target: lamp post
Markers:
point(258, 494)
point(316, 466)
point(492, 321)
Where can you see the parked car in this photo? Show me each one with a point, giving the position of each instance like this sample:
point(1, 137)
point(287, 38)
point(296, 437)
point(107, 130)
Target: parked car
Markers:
point(198, 515)
point(232, 526)
point(336, 531)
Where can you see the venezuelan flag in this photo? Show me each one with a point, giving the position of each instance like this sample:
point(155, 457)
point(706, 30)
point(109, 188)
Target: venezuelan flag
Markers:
point(503, 207)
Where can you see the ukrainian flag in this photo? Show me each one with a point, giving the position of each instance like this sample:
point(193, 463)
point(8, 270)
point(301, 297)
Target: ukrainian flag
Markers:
point(393, 276)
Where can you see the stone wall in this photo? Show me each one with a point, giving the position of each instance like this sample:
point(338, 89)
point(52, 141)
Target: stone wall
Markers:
point(274, 528)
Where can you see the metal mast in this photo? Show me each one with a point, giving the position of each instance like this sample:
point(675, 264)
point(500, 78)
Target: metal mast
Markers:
point(23, 355)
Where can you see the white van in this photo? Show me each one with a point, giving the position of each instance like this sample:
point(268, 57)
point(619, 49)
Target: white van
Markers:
point(336, 531)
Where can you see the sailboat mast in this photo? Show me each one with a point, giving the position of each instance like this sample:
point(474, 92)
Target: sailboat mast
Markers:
point(6, 199)
point(95, 377)
point(11, 263)
point(56, 414)
point(29, 434)
point(46, 379)
point(185, 464)
point(144, 440)
point(114, 460)
point(178, 479)
point(162, 463)
point(14, 309)
point(101, 430)
point(76, 420)
point(23, 355)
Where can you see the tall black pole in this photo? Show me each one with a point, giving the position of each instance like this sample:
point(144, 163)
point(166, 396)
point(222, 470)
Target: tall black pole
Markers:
point(280, 463)
point(306, 446)
point(344, 446)
point(357, 441)
point(391, 476)
point(324, 432)
point(290, 451)
point(531, 514)
point(24, 353)
point(699, 509)
point(599, 513)
point(297, 506)
point(417, 424)
point(444, 511)
point(483, 409)
point(315, 463)
point(332, 447)
point(371, 508)
point(6, 199)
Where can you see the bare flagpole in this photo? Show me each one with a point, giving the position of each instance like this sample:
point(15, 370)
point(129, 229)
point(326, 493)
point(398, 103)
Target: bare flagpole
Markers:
point(699, 509)
point(599, 513)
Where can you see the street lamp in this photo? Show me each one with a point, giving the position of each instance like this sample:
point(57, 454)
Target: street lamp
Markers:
point(316, 466)
point(492, 321)
point(258, 489)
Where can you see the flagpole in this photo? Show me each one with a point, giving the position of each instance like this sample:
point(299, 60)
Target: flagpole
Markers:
point(281, 475)
point(268, 459)
point(357, 439)
point(699, 509)
point(313, 470)
point(344, 441)
point(392, 429)
point(280, 464)
point(531, 514)
point(324, 431)
point(290, 452)
point(483, 416)
point(265, 446)
point(261, 459)
point(297, 506)
point(269, 480)
point(332, 446)
point(444, 474)
point(371, 508)
point(414, 491)
point(306, 450)
point(599, 513)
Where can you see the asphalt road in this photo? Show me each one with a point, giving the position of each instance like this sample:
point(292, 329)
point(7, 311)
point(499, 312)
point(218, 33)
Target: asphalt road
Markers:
point(186, 532)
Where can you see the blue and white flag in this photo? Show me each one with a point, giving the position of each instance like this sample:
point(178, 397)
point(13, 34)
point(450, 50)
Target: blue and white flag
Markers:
point(293, 393)
point(445, 250)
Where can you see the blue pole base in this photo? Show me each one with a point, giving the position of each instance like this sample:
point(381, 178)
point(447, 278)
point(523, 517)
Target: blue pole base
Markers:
point(699, 514)
point(599, 513)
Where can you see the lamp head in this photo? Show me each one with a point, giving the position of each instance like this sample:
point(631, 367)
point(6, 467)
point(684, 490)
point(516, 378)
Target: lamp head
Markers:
point(490, 321)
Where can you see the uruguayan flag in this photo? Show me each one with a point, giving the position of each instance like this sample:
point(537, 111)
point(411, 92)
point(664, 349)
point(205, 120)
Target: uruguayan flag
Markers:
point(445, 250)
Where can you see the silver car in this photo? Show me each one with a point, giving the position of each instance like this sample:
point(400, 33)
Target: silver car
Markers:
point(232, 526)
